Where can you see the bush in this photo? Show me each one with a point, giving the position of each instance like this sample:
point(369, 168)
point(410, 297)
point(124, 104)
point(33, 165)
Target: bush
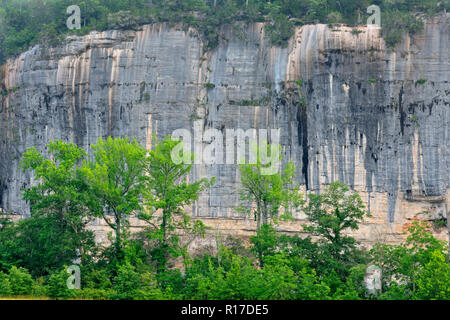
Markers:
point(39, 288)
point(209, 85)
point(131, 285)
point(42, 244)
point(97, 278)
point(124, 20)
point(21, 281)
point(172, 282)
point(395, 291)
point(279, 31)
point(57, 286)
point(5, 286)
point(334, 17)
point(421, 81)
point(265, 242)
point(94, 294)
point(395, 23)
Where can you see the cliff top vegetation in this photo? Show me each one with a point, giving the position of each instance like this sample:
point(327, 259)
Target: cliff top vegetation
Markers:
point(24, 23)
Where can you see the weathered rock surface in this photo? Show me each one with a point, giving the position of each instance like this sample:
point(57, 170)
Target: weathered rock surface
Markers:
point(362, 116)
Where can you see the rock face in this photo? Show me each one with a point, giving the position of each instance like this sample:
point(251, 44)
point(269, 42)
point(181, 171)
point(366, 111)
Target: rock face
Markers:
point(375, 119)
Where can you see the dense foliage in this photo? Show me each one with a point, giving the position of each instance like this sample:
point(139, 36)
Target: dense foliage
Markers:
point(125, 181)
point(27, 22)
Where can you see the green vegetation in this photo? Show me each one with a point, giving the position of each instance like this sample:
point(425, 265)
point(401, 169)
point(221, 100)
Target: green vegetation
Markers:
point(114, 180)
point(25, 23)
point(356, 32)
point(6, 92)
point(396, 23)
point(421, 81)
point(264, 100)
point(268, 189)
point(194, 116)
point(419, 269)
point(209, 85)
point(126, 181)
point(440, 223)
point(169, 192)
point(330, 215)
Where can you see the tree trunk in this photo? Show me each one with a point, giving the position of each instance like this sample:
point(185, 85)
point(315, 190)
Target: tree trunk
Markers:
point(260, 258)
point(258, 218)
point(164, 226)
point(448, 229)
point(118, 237)
point(164, 246)
point(265, 214)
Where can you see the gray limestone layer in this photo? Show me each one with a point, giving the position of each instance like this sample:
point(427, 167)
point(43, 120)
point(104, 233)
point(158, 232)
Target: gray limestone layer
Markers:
point(372, 118)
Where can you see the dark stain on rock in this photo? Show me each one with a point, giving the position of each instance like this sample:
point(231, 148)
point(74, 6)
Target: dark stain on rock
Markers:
point(302, 119)
point(402, 111)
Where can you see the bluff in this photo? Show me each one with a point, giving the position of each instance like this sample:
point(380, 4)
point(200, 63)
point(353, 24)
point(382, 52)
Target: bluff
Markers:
point(348, 109)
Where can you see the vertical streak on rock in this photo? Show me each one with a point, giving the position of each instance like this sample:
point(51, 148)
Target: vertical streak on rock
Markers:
point(114, 55)
point(148, 144)
point(303, 141)
point(341, 105)
point(402, 111)
point(71, 109)
point(392, 201)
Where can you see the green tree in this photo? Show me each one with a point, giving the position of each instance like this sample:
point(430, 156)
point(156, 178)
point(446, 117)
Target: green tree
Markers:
point(166, 194)
point(40, 244)
point(114, 177)
point(397, 23)
point(405, 267)
point(275, 195)
point(279, 30)
point(330, 215)
point(56, 233)
point(389, 259)
point(265, 243)
point(60, 202)
point(433, 279)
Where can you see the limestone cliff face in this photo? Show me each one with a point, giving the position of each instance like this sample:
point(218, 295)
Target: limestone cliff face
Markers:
point(362, 115)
